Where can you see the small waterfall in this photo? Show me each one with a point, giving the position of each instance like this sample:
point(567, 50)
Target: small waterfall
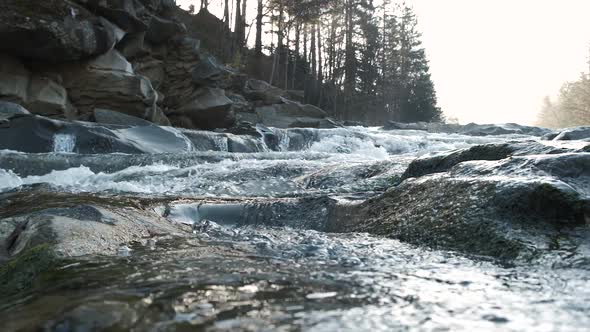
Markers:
point(283, 139)
point(261, 130)
point(274, 139)
point(220, 142)
point(64, 143)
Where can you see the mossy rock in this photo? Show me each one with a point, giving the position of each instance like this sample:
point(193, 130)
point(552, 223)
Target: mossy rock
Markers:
point(21, 271)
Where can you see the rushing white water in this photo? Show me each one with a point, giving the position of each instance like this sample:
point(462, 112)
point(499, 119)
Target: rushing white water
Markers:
point(342, 160)
point(64, 143)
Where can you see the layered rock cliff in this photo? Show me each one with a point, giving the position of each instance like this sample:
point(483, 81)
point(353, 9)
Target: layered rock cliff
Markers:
point(67, 59)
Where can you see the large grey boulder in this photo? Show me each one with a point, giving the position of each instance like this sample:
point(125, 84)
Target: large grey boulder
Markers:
point(291, 114)
point(257, 90)
point(46, 97)
point(109, 82)
point(210, 109)
point(53, 30)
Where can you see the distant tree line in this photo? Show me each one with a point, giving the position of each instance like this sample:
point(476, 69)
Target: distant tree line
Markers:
point(356, 60)
point(572, 106)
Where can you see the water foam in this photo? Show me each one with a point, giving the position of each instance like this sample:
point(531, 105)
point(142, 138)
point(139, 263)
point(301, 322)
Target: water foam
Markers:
point(64, 143)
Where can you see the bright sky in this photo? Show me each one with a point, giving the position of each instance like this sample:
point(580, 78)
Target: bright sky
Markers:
point(493, 61)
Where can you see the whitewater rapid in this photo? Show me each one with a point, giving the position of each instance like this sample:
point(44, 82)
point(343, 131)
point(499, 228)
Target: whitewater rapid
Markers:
point(331, 154)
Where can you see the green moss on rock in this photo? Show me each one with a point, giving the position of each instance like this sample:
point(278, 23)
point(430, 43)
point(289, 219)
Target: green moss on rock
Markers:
point(20, 272)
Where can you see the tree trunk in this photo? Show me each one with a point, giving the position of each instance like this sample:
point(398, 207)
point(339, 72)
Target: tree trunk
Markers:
point(297, 41)
point(274, 53)
point(286, 86)
point(314, 73)
point(237, 28)
point(226, 14)
point(349, 60)
point(258, 44)
point(320, 66)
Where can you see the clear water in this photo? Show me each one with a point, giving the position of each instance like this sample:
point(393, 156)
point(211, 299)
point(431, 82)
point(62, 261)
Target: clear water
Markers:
point(285, 279)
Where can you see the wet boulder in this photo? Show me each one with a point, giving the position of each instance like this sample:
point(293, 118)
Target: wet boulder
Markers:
point(73, 230)
point(577, 133)
point(36, 134)
point(508, 209)
point(209, 109)
point(442, 162)
point(54, 31)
